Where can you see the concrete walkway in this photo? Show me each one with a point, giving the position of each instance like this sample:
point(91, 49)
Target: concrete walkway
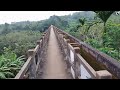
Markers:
point(54, 65)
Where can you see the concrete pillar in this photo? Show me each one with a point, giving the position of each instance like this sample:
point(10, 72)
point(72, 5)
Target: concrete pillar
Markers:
point(32, 68)
point(103, 74)
point(68, 40)
point(77, 49)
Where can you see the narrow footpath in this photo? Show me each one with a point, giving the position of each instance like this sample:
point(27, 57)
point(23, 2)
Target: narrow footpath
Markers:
point(54, 65)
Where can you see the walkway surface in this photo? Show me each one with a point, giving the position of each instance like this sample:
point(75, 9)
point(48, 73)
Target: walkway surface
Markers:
point(54, 65)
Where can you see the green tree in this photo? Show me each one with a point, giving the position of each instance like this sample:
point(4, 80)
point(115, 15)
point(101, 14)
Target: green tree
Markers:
point(104, 16)
point(6, 29)
point(113, 37)
point(82, 21)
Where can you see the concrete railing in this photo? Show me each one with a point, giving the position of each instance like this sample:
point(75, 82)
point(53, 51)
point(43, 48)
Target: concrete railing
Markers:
point(28, 71)
point(77, 65)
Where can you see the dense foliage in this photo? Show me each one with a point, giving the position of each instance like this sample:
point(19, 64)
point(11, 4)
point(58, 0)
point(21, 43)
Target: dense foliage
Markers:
point(97, 30)
point(10, 64)
point(19, 42)
point(13, 48)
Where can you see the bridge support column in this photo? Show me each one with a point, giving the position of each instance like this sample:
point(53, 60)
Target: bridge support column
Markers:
point(103, 74)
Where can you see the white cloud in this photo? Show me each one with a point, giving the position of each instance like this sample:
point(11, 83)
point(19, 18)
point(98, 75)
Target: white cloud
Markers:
point(16, 16)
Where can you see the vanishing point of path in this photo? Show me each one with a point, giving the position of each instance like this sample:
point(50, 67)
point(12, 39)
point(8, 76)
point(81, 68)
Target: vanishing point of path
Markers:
point(55, 65)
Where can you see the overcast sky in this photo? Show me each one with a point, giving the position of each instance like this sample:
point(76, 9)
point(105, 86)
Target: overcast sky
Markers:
point(16, 16)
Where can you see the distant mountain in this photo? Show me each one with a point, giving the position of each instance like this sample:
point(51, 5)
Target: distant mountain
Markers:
point(59, 21)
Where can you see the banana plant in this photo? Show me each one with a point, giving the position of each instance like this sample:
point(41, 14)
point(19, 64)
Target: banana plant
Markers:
point(10, 64)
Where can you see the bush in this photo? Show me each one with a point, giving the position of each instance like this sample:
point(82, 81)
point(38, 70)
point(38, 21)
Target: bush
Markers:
point(10, 64)
point(19, 42)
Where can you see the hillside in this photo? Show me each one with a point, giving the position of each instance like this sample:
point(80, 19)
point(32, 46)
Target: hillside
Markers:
point(59, 21)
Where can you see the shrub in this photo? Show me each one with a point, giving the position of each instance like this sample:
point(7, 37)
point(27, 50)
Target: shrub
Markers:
point(10, 64)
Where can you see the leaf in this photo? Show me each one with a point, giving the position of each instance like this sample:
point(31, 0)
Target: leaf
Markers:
point(21, 58)
point(9, 74)
point(4, 69)
point(1, 63)
point(13, 65)
point(2, 75)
